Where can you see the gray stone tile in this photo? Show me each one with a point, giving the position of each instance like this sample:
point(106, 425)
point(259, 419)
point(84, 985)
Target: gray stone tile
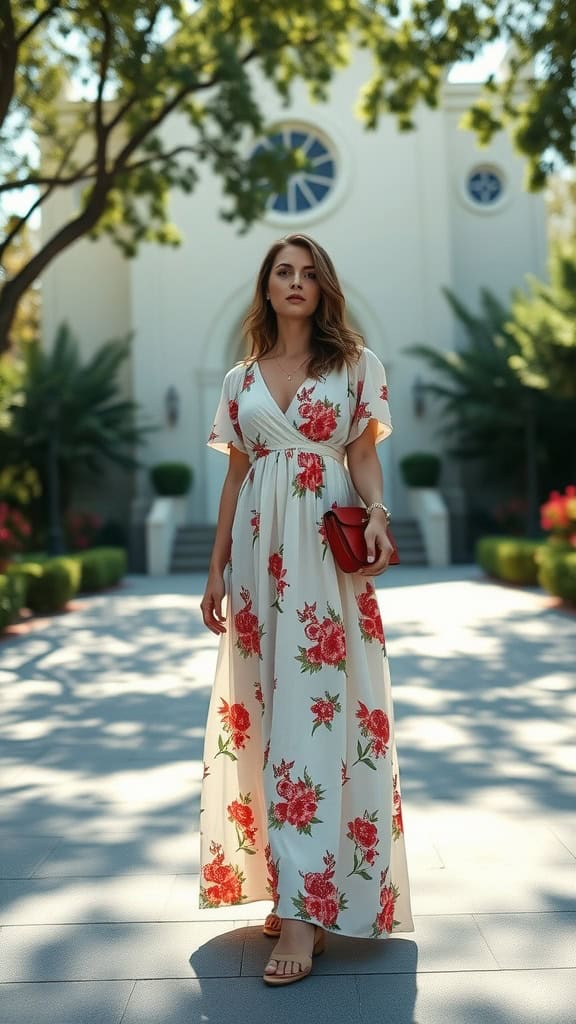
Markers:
point(136, 853)
point(530, 940)
point(82, 900)
point(506, 997)
point(565, 830)
point(444, 943)
point(473, 889)
point(104, 952)
point(20, 854)
point(316, 1000)
point(84, 1002)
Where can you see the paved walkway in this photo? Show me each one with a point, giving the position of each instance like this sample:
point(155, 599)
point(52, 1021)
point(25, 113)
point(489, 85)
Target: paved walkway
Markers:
point(101, 741)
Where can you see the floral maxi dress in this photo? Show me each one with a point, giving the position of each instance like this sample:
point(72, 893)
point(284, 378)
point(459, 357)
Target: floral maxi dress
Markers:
point(301, 797)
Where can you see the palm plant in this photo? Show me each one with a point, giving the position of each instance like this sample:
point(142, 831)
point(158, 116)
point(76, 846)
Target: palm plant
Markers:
point(72, 419)
point(517, 435)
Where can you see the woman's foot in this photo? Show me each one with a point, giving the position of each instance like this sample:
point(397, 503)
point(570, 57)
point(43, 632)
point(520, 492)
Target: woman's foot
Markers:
point(272, 925)
point(291, 959)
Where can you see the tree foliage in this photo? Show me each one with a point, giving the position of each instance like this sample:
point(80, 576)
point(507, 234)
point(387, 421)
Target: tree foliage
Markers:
point(544, 326)
point(139, 61)
point(523, 439)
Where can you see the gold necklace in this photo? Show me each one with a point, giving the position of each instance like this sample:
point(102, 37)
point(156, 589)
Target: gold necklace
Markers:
point(289, 375)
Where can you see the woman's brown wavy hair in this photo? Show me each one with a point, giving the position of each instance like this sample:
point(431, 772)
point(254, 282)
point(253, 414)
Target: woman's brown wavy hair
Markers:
point(334, 343)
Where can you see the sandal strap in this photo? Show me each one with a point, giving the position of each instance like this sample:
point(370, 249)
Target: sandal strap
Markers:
point(304, 961)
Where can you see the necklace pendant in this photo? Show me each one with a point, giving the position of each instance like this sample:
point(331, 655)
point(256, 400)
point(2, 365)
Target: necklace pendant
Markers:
point(289, 376)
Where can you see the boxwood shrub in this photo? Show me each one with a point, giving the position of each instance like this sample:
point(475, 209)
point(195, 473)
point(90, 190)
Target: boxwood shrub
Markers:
point(421, 469)
point(512, 559)
point(171, 479)
point(101, 567)
point(557, 572)
point(12, 597)
point(57, 584)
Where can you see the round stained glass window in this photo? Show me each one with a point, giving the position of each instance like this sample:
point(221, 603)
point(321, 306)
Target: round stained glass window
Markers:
point(309, 187)
point(485, 186)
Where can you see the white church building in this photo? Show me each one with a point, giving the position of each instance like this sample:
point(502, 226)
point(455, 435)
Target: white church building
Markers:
point(402, 215)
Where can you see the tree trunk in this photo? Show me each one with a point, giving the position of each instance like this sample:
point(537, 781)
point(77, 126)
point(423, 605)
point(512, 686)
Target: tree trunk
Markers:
point(531, 470)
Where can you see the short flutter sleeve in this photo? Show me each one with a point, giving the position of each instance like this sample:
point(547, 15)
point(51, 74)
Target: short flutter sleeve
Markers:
point(226, 428)
point(368, 397)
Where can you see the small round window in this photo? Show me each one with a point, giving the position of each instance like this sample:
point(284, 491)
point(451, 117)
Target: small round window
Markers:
point(309, 187)
point(485, 185)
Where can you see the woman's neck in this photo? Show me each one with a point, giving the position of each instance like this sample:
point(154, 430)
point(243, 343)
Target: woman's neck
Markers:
point(294, 338)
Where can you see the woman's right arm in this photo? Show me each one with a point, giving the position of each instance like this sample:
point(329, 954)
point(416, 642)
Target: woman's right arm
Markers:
point(211, 603)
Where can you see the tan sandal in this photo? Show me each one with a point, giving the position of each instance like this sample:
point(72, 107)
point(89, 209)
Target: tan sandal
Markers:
point(272, 926)
point(304, 961)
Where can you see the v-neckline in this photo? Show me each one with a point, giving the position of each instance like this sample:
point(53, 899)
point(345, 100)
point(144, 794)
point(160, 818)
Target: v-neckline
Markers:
point(292, 400)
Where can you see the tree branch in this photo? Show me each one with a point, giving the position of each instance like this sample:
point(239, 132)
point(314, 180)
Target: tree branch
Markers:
point(38, 21)
point(8, 59)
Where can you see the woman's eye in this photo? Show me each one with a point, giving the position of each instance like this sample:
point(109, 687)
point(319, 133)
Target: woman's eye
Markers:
point(311, 274)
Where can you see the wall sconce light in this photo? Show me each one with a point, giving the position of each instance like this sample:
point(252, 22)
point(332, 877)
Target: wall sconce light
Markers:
point(419, 397)
point(172, 403)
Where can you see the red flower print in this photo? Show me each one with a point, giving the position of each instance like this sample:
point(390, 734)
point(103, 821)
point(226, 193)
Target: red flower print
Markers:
point(226, 879)
point(321, 417)
point(233, 414)
point(259, 447)
point(324, 708)
point(235, 722)
point(329, 640)
point(362, 411)
point(240, 813)
point(258, 695)
point(311, 477)
point(213, 435)
point(266, 755)
point(248, 380)
point(273, 875)
point(364, 834)
point(321, 899)
point(375, 727)
point(384, 393)
point(299, 802)
point(385, 919)
point(278, 572)
point(249, 632)
point(397, 823)
point(345, 776)
point(255, 524)
point(370, 621)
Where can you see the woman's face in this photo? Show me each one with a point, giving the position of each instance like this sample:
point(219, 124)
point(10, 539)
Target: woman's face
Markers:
point(292, 286)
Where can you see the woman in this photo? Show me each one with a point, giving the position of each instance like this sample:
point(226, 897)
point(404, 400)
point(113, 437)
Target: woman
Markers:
point(301, 800)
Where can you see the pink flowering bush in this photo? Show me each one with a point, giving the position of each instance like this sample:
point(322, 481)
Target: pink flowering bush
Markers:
point(558, 517)
point(14, 532)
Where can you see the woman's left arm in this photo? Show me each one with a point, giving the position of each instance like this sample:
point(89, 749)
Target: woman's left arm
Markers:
point(366, 474)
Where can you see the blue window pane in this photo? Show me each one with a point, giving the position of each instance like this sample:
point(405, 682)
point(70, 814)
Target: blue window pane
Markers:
point(316, 149)
point(297, 139)
point(326, 169)
point(318, 191)
point(485, 187)
point(302, 202)
point(280, 203)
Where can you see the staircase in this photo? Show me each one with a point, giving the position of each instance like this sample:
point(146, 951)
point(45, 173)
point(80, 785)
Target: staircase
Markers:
point(193, 544)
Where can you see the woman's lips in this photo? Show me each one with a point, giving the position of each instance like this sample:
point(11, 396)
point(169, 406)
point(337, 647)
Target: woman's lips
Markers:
point(296, 298)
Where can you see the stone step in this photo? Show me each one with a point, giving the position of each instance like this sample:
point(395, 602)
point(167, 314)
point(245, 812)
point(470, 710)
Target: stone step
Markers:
point(193, 545)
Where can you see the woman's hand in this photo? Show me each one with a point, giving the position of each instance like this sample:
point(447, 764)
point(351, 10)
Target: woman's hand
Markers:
point(211, 603)
point(377, 543)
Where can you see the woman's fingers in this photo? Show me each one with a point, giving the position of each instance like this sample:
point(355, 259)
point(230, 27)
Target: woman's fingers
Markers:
point(211, 607)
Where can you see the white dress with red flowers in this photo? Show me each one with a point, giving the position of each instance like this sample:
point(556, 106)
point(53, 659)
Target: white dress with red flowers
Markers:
point(301, 797)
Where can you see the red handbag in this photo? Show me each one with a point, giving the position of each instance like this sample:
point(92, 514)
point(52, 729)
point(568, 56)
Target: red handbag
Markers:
point(344, 527)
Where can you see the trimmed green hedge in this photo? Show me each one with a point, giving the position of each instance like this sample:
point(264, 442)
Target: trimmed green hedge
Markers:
point(171, 479)
point(101, 567)
point(512, 559)
point(421, 469)
point(12, 598)
point(46, 584)
point(557, 572)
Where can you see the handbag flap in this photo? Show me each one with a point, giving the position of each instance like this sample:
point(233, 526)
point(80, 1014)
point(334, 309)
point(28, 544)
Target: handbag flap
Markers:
point(349, 516)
